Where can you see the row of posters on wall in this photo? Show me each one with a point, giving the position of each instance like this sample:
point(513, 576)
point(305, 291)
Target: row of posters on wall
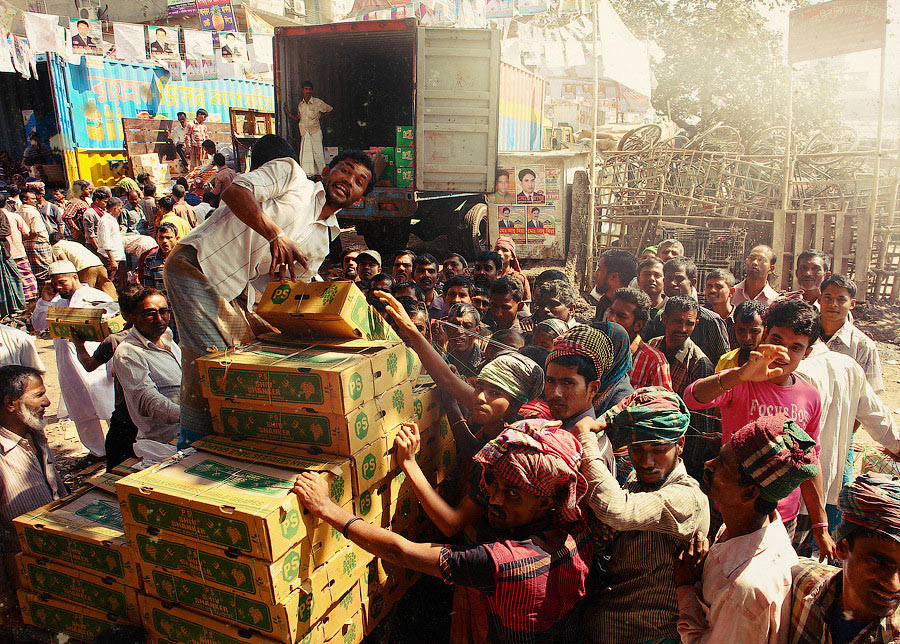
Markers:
point(525, 202)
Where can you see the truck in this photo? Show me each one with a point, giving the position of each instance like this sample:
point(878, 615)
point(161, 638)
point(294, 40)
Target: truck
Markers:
point(448, 85)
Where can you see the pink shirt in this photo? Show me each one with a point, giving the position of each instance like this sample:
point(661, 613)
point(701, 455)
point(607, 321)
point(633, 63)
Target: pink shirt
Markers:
point(751, 400)
point(17, 230)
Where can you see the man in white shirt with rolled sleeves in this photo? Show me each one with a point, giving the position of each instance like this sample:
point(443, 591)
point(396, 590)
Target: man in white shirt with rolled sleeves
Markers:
point(272, 222)
point(309, 112)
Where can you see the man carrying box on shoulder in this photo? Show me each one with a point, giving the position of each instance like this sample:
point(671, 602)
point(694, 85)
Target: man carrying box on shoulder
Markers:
point(273, 222)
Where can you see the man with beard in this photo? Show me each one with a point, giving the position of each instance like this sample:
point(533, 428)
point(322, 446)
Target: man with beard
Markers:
point(425, 274)
point(738, 589)
point(28, 476)
point(760, 263)
point(859, 602)
point(655, 515)
point(265, 216)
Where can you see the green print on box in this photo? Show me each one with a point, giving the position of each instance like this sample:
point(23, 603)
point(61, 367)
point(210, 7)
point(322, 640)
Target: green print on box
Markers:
point(356, 386)
point(369, 466)
point(365, 502)
point(193, 523)
point(398, 400)
point(361, 425)
point(177, 556)
point(281, 294)
point(329, 293)
point(418, 409)
point(349, 563)
point(277, 426)
point(350, 636)
point(291, 568)
point(270, 387)
point(64, 621)
point(102, 512)
point(181, 630)
point(290, 524)
point(336, 489)
point(79, 591)
point(240, 479)
point(106, 561)
point(392, 364)
point(307, 603)
point(219, 603)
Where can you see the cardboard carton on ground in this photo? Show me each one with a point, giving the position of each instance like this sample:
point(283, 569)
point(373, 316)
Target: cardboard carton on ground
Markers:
point(326, 589)
point(61, 616)
point(405, 177)
point(314, 377)
point(322, 310)
point(90, 324)
point(231, 494)
point(342, 434)
point(83, 530)
point(170, 623)
point(69, 584)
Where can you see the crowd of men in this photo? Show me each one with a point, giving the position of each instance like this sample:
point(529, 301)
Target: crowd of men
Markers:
point(660, 472)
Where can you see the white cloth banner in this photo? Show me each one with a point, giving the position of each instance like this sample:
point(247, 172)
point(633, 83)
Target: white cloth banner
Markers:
point(261, 53)
point(41, 30)
point(574, 53)
point(625, 58)
point(131, 42)
point(198, 44)
point(6, 52)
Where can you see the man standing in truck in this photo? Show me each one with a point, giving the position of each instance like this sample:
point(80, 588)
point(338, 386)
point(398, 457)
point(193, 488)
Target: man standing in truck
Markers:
point(309, 111)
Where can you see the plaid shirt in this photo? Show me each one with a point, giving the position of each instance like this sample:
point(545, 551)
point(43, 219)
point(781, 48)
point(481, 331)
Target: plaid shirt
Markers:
point(710, 334)
point(530, 586)
point(197, 133)
point(649, 367)
point(688, 364)
point(150, 269)
point(814, 591)
point(72, 215)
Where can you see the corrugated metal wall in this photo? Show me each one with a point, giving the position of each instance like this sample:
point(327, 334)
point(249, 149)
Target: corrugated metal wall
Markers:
point(521, 109)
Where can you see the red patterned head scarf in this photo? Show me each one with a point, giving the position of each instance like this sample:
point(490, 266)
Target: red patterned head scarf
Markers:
point(509, 244)
point(540, 457)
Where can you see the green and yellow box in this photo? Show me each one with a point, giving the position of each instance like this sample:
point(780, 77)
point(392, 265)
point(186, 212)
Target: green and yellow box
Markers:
point(287, 621)
point(315, 378)
point(380, 592)
point(342, 434)
point(403, 157)
point(62, 616)
point(322, 310)
point(405, 177)
point(171, 623)
point(89, 324)
point(426, 405)
point(405, 136)
point(231, 494)
point(78, 587)
point(83, 530)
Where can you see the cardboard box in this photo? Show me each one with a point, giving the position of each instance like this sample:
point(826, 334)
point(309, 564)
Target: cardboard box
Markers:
point(405, 177)
point(342, 434)
point(61, 616)
point(78, 587)
point(90, 324)
point(349, 631)
point(170, 623)
point(405, 135)
point(327, 589)
point(231, 495)
point(379, 596)
point(322, 309)
point(426, 405)
point(83, 530)
point(403, 157)
point(316, 378)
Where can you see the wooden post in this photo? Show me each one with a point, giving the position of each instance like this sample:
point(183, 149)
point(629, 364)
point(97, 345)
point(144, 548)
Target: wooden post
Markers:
point(788, 165)
point(592, 173)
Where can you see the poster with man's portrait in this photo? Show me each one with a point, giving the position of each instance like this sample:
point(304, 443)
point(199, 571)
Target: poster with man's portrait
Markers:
point(234, 46)
point(505, 186)
point(530, 184)
point(511, 222)
point(164, 43)
point(87, 37)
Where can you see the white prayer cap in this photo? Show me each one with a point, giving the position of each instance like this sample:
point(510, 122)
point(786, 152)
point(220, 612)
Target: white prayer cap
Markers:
point(62, 267)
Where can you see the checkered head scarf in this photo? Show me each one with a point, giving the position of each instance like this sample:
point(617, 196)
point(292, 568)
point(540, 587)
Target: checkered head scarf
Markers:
point(520, 377)
point(588, 342)
point(649, 415)
point(776, 454)
point(540, 457)
point(870, 501)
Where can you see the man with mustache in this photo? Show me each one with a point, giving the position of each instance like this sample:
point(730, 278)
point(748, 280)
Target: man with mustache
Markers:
point(766, 385)
point(253, 237)
point(655, 515)
point(760, 263)
point(28, 476)
point(738, 589)
point(859, 602)
point(748, 329)
point(425, 274)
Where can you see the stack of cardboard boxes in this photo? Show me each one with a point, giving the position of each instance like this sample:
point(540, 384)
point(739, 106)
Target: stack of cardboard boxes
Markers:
point(403, 156)
point(159, 172)
point(224, 548)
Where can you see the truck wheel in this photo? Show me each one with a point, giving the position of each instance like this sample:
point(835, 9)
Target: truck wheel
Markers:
point(472, 236)
point(386, 237)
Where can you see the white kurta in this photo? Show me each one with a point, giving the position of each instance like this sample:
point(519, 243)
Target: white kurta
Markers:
point(88, 397)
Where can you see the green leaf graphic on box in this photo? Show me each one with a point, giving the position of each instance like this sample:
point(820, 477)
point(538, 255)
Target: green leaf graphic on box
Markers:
point(365, 502)
point(281, 294)
point(276, 426)
point(356, 386)
point(368, 466)
point(349, 563)
point(102, 512)
point(81, 592)
point(350, 636)
point(191, 522)
point(444, 427)
point(271, 387)
point(361, 425)
point(418, 408)
point(398, 400)
point(216, 602)
point(64, 621)
point(306, 607)
point(291, 567)
point(392, 364)
point(329, 293)
point(346, 600)
point(337, 489)
point(409, 361)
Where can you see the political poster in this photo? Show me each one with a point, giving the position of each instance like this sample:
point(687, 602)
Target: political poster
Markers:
point(551, 184)
point(511, 222)
point(131, 42)
point(531, 7)
point(179, 8)
point(86, 37)
point(495, 9)
point(234, 46)
point(540, 228)
point(216, 15)
point(505, 186)
point(530, 184)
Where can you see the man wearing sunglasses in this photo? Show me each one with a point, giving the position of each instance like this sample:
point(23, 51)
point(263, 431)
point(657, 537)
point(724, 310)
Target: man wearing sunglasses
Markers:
point(148, 365)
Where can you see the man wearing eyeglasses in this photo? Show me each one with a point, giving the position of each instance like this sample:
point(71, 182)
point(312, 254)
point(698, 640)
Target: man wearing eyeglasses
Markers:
point(148, 365)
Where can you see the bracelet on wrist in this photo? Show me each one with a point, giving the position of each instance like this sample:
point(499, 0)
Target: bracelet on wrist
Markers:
point(819, 525)
point(348, 524)
point(278, 236)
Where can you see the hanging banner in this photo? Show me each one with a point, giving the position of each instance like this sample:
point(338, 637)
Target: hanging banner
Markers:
point(40, 28)
point(198, 44)
point(6, 52)
point(131, 42)
point(275, 7)
point(626, 59)
point(21, 54)
point(216, 15)
point(261, 56)
point(256, 25)
point(9, 14)
point(531, 7)
point(234, 46)
point(836, 27)
point(164, 44)
point(87, 37)
point(495, 9)
point(178, 8)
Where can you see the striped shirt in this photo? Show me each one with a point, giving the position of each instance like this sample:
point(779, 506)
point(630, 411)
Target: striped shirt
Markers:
point(649, 367)
point(28, 480)
point(637, 601)
point(852, 342)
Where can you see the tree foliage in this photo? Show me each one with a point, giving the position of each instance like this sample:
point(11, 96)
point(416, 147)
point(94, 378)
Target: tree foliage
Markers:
point(725, 62)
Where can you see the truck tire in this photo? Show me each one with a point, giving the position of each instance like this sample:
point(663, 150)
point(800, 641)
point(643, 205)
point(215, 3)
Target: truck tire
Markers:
point(387, 237)
point(472, 235)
